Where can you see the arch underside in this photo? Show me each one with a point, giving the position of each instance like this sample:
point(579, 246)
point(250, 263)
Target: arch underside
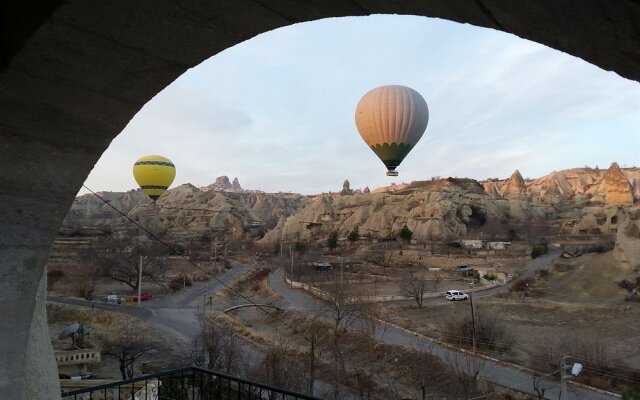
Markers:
point(73, 74)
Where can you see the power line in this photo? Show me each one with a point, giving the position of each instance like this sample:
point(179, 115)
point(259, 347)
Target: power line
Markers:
point(175, 251)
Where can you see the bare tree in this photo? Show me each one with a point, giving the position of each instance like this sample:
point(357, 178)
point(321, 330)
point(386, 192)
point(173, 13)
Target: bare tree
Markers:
point(82, 282)
point(281, 366)
point(466, 369)
point(425, 369)
point(232, 356)
point(206, 348)
point(363, 373)
point(414, 285)
point(128, 343)
point(121, 260)
point(538, 388)
point(344, 312)
point(436, 279)
point(490, 331)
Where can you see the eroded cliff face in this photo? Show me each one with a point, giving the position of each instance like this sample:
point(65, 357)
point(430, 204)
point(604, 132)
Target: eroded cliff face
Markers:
point(610, 187)
point(616, 187)
point(435, 210)
point(515, 186)
point(580, 201)
point(182, 211)
point(627, 248)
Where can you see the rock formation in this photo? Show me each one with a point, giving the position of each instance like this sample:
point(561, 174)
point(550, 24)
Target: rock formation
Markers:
point(235, 185)
point(222, 184)
point(616, 187)
point(515, 186)
point(184, 211)
point(627, 248)
point(443, 209)
point(346, 189)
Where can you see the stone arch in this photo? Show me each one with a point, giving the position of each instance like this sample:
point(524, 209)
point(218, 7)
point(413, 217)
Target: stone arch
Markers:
point(73, 73)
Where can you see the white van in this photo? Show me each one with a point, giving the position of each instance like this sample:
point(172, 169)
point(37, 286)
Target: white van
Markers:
point(454, 295)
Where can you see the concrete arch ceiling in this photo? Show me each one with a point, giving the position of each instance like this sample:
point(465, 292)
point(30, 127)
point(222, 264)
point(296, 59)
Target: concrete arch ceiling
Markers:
point(73, 73)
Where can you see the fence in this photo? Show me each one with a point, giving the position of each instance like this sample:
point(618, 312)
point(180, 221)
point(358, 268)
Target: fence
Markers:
point(189, 383)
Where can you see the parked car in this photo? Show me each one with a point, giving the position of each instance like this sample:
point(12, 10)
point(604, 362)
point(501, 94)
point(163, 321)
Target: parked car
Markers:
point(112, 298)
point(144, 296)
point(454, 295)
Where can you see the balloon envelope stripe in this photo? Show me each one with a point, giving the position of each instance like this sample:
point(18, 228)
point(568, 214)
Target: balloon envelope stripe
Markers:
point(166, 164)
point(154, 187)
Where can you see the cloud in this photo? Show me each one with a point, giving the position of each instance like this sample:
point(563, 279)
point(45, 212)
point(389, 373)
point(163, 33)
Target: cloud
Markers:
point(277, 111)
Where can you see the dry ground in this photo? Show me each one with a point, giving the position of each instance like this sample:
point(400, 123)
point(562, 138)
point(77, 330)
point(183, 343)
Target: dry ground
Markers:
point(101, 322)
point(577, 301)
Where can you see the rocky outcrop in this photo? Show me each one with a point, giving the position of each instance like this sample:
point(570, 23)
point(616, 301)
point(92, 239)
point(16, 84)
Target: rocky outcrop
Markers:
point(493, 188)
point(222, 184)
point(587, 225)
point(184, 211)
point(576, 184)
point(346, 188)
point(515, 186)
point(235, 185)
point(616, 187)
point(433, 210)
point(627, 248)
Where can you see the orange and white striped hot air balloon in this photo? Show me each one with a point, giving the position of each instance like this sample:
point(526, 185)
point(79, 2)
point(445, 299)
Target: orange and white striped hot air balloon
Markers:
point(391, 120)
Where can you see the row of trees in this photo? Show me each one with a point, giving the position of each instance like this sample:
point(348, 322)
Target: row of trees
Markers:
point(353, 236)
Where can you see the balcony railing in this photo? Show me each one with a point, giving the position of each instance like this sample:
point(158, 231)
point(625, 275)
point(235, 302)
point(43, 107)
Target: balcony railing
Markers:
point(190, 383)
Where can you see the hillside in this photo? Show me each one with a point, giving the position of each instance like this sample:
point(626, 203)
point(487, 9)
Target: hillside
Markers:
point(576, 203)
point(185, 211)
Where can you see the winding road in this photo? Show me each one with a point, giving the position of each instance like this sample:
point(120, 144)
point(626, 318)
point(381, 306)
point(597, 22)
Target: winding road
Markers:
point(175, 314)
point(492, 371)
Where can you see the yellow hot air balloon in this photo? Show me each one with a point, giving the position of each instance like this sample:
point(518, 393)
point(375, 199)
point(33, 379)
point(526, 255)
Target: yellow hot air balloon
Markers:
point(391, 120)
point(154, 174)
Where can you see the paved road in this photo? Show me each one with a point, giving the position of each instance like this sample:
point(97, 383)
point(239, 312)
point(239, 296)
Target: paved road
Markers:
point(530, 271)
point(491, 371)
point(176, 314)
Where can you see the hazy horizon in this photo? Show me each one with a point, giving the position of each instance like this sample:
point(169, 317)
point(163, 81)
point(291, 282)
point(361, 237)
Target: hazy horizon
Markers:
point(338, 186)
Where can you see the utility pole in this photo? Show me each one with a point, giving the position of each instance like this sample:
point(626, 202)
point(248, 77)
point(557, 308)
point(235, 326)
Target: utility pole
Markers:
point(341, 271)
point(563, 381)
point(140, 280)
point(291, 255)
point(282, 234)
point(473, 322)
point(312, 364)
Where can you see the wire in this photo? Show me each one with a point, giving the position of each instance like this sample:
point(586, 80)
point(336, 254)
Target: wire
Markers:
point(267, 312)
point(175, 251)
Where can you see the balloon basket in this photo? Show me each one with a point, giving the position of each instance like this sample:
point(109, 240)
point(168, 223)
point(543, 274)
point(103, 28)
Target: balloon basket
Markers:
point(392, 173)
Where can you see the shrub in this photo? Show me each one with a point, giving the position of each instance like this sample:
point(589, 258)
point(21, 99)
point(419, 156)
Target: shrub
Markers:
point(491, 332)
point(633, 393)
point(490, 277)
point(522, 285)
point(405, 234)
point(454, 245)
point(354, 235)
point(629, 285)
point(539, 250)
point(177, 282)
point(332, 240)
point(542, 273)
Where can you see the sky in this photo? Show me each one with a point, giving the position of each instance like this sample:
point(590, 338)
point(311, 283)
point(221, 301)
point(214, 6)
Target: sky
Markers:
point(277, 111)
